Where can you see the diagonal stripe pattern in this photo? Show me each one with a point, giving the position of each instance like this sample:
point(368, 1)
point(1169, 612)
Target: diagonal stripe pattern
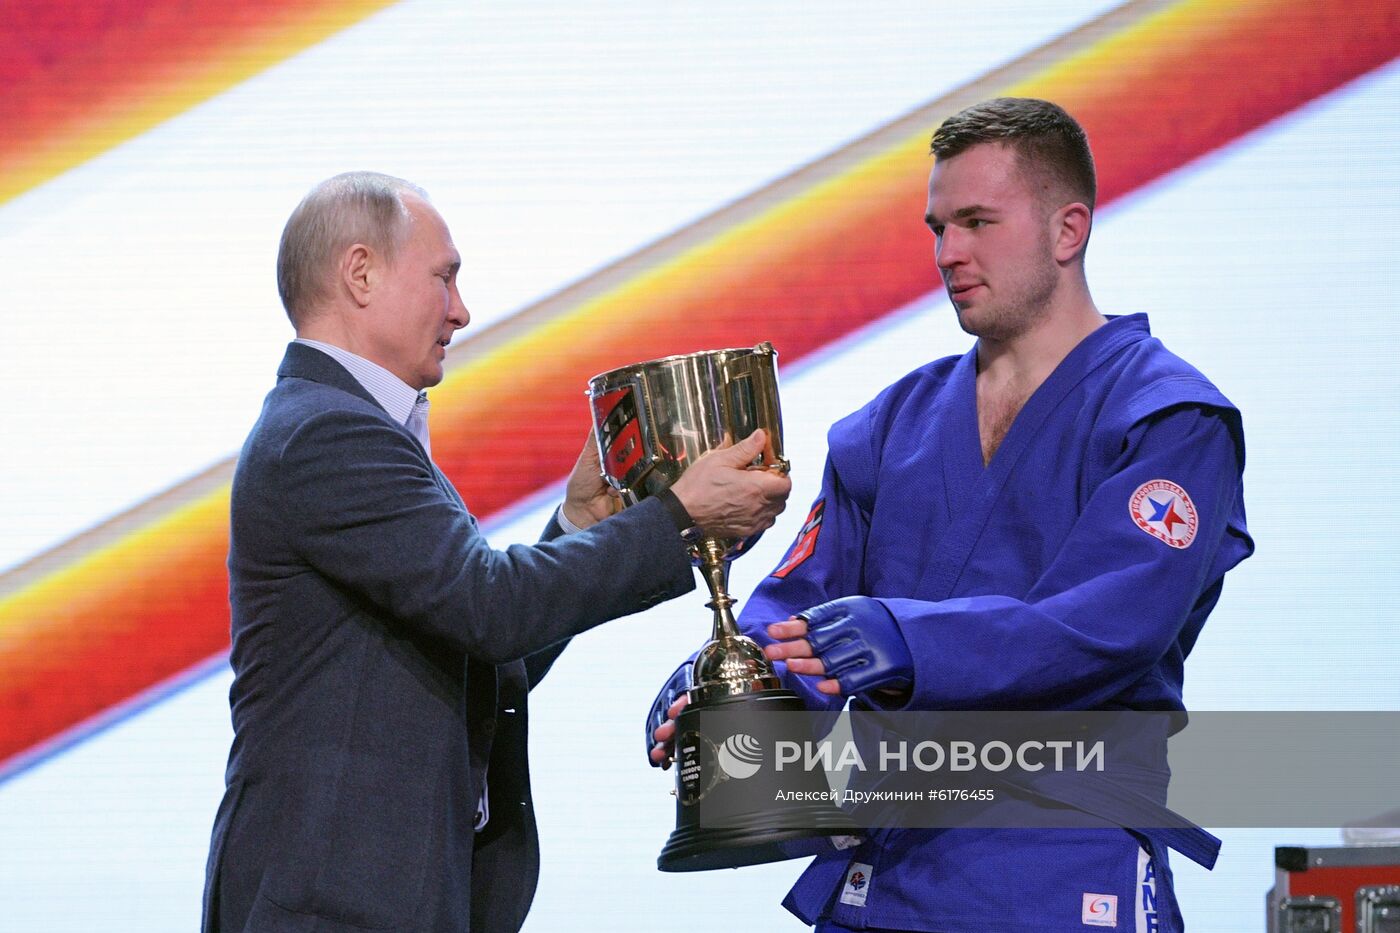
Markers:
point(81, 78)
point(802, 262)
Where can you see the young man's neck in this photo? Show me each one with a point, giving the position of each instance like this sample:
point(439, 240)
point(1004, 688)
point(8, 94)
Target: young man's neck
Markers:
point(1027, 359)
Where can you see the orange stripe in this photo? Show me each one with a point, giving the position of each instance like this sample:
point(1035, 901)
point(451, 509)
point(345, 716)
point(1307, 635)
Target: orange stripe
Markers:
point(82, 639)
point(1162, 97)
point(853, 247)
point(108, 85)
point(800, 263)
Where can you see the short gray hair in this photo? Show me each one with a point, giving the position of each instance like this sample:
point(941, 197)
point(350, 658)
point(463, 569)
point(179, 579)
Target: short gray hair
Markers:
point(353, 207)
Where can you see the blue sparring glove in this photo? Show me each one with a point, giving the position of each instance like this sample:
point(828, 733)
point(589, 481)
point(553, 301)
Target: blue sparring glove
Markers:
point(671, 691)
point(859, 644)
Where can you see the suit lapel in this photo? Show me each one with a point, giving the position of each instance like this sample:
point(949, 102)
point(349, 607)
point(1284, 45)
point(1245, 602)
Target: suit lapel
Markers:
point(303, 362)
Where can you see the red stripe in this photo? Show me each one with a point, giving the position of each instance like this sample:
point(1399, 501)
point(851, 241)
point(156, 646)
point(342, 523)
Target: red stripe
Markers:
point(1195, 93)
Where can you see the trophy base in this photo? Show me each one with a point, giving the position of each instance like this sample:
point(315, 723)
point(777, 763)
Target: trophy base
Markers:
point(695, 849)
point(743, 823)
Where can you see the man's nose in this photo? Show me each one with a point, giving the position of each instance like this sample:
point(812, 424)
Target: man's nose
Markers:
point(459, 315)
point(951, 249)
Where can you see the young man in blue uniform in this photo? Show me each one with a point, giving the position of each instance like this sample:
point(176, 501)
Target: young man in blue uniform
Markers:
point(1042, 523)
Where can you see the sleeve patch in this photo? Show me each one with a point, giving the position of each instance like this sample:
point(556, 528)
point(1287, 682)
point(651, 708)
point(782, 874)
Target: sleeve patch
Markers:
point(806, 543)
point(1164, 510)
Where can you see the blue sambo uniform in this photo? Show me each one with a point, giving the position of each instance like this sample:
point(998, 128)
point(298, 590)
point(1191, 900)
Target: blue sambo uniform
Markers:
point(1074, 572)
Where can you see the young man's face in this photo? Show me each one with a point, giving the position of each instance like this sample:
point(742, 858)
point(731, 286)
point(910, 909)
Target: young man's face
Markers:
point(994, 241)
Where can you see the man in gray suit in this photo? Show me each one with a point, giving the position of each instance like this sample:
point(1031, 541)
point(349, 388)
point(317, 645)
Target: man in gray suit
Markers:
point(382, 651)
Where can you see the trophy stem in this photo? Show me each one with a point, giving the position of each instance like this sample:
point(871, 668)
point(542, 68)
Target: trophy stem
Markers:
point(716, 571)
point(730, 664)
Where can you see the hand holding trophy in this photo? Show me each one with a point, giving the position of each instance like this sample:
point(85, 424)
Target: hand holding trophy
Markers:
point(653, 421)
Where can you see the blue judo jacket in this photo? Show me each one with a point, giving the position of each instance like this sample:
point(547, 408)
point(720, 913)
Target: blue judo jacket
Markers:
point(1073, 572)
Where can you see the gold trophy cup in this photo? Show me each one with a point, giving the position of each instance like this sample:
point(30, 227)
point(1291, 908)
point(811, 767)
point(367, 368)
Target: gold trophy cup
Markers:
point(651, 421)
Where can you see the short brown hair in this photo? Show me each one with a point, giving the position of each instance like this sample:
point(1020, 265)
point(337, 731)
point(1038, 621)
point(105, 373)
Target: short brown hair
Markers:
point(354, 207)
point(1046, 139)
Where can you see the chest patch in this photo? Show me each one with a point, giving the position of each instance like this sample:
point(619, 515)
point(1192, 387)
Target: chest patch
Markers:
point(1164, 510)
point(857, 887)
point(806, 543)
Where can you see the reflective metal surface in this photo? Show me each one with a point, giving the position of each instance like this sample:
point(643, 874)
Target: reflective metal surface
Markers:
point(653, 420)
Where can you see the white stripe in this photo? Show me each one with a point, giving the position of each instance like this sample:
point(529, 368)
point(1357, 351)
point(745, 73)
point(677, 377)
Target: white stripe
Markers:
point(1145, 894)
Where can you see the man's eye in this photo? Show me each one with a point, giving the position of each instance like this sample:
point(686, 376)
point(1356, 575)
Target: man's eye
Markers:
point(974, 222)
point(937, 230)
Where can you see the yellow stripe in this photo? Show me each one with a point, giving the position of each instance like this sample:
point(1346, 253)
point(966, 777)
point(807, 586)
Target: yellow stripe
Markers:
point(201, 82)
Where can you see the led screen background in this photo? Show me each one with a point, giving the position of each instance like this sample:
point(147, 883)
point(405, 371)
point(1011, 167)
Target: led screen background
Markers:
point(625, 181)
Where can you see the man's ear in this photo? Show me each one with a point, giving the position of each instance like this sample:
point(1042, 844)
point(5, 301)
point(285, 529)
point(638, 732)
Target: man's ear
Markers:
point(358, 272)
point(1071, 231)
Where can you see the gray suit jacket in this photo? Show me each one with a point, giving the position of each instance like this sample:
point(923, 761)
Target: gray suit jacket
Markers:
point(382, 653)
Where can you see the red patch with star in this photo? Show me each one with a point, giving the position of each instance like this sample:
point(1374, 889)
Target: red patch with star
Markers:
point(1164, 510)
point(806, 543)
